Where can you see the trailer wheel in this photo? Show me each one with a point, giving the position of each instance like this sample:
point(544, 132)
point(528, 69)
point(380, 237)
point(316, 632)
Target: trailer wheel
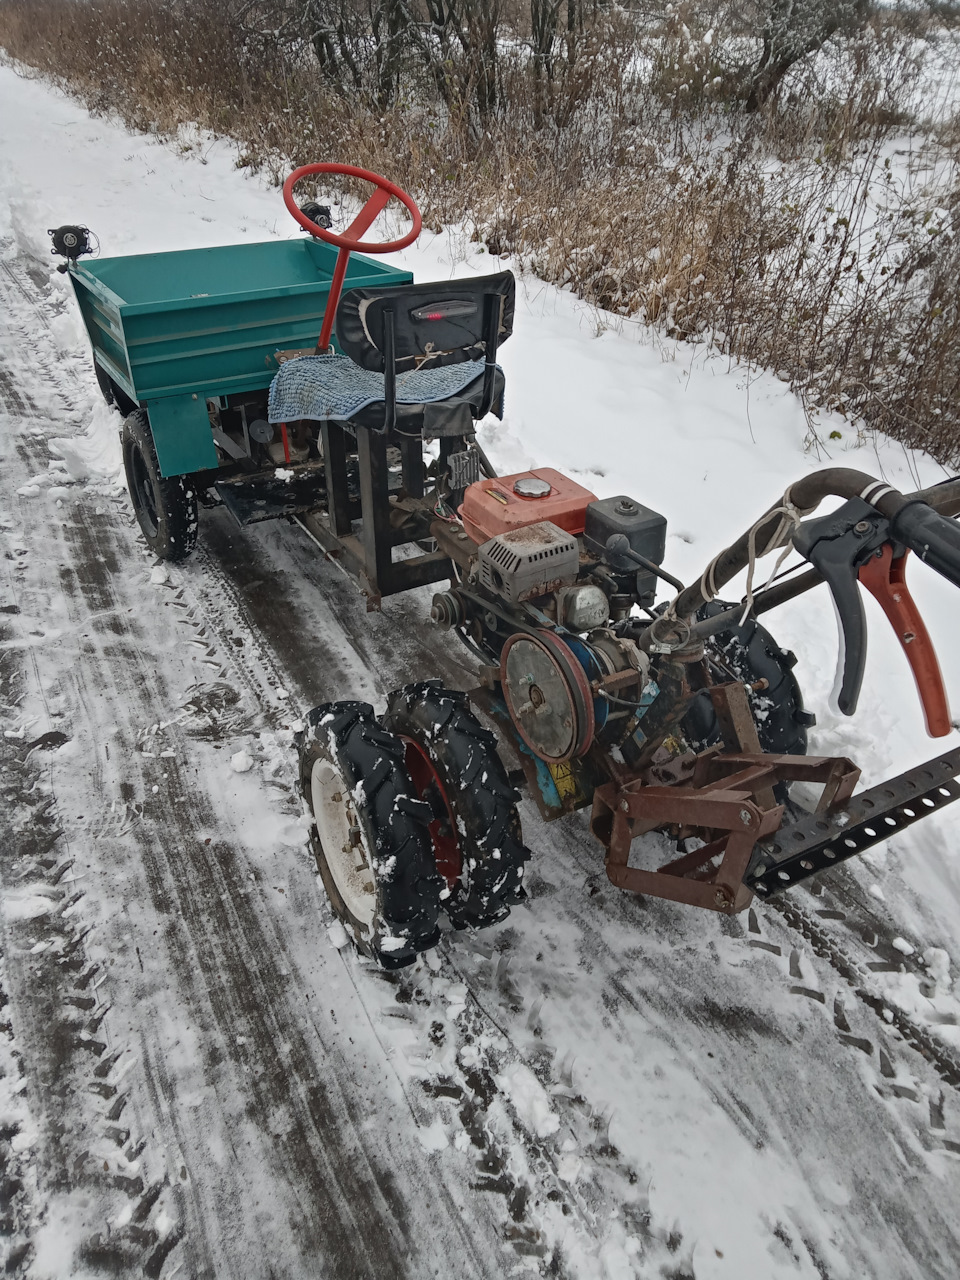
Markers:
point(750, 654)
point(370, 834)
point(165, 507)
point(477, 840)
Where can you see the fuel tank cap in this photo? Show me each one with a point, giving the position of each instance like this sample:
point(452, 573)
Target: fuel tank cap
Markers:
point(531, 487)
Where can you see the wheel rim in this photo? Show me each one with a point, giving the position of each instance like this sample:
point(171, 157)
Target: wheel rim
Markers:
point(426, 780)
point(144, 495)
point(342, 842)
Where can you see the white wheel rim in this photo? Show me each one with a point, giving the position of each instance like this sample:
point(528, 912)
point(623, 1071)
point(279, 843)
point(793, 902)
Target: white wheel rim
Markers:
point(342, 841)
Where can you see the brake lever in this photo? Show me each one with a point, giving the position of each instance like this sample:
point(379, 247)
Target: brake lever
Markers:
point(836, 545)
point(884, 576)
point(855, 544)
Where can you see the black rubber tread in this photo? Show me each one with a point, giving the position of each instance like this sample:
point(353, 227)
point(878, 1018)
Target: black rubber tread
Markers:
point(750, 653)
point(481, 799)
point(348, 735)
point(173, 534)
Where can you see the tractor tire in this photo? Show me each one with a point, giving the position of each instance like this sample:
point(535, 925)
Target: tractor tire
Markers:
point(750, 654)
point(165, 507)
point(478, 842)
point(369, 833)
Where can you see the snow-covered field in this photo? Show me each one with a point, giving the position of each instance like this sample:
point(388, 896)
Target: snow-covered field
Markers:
point(197, 1080)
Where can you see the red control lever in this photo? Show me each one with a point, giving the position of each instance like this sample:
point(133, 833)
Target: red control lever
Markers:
point(885, 579)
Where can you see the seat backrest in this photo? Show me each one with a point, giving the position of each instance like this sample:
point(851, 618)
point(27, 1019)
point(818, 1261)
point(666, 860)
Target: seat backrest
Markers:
point(427, 325)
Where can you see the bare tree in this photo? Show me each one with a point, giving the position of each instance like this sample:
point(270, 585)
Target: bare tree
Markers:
point(793, 29)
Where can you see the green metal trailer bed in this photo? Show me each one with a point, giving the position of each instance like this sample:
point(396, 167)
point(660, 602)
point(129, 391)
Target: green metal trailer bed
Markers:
point(174, 330)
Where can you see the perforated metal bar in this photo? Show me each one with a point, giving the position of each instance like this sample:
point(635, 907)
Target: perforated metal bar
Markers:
point(823, 840)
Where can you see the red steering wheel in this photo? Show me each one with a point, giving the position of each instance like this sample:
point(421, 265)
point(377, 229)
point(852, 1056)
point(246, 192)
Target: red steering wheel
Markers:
point(350, 240)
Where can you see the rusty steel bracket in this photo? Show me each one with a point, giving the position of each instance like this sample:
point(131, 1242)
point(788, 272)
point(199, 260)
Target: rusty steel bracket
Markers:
point(727, 804)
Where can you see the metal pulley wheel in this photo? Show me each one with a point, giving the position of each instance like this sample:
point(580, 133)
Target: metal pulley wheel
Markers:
point(548, 695)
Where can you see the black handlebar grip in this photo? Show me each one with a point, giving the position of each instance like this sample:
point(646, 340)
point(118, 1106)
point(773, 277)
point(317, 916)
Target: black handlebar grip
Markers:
point(935, 539)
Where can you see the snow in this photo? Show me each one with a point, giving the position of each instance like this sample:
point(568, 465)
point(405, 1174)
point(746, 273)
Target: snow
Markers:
point(664, 1072)
point(25, 906)
point(433, 1138)
point(529, 1098)
point(337, 935)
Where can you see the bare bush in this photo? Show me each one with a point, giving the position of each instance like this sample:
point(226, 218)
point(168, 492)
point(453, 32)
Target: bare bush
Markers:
point(600, 147)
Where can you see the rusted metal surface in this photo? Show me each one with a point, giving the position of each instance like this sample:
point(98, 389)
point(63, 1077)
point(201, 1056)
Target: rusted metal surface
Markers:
point(729, 804)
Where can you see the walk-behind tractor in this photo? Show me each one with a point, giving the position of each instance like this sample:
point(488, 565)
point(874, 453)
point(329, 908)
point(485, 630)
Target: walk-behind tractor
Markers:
point(683, 717)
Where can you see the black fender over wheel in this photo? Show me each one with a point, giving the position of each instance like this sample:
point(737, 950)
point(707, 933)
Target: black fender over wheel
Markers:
point(370, 835)
point(476, 830)
point(751, 655)
point(165, 507)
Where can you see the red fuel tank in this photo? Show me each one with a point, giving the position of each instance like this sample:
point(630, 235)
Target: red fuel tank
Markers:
point(491, 507)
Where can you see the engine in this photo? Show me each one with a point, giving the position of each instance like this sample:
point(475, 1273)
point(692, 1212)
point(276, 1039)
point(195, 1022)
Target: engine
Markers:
point(554, 573)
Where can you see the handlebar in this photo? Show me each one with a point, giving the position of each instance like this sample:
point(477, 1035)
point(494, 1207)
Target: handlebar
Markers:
point(863, 543)
point(805, 495)
point(933, 538)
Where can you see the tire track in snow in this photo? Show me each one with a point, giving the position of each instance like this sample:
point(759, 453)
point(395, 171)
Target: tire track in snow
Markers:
point(238, 979)
point(319, 650)
point(77, 1140)
point(850, 954)
point(538, 1181)
point(254, 563)
point(351, 1199)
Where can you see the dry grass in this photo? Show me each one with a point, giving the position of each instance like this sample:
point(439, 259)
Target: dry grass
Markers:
point(786, 237)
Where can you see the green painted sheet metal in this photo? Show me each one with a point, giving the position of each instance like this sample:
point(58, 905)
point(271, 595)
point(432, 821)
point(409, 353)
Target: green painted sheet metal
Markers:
point(207, 322)
point(181, 432)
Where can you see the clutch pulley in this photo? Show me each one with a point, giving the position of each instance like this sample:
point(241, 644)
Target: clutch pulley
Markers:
point(548, 695)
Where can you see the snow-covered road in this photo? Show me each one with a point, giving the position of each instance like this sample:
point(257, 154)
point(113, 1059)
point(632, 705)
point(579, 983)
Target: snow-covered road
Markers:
point(196, 1080)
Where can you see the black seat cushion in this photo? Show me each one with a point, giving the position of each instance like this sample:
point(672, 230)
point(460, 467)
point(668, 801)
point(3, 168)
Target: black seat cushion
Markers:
point(445, 417)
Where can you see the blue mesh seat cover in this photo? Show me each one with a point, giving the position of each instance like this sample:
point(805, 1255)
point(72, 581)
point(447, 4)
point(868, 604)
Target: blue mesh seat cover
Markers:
point(332, 387)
